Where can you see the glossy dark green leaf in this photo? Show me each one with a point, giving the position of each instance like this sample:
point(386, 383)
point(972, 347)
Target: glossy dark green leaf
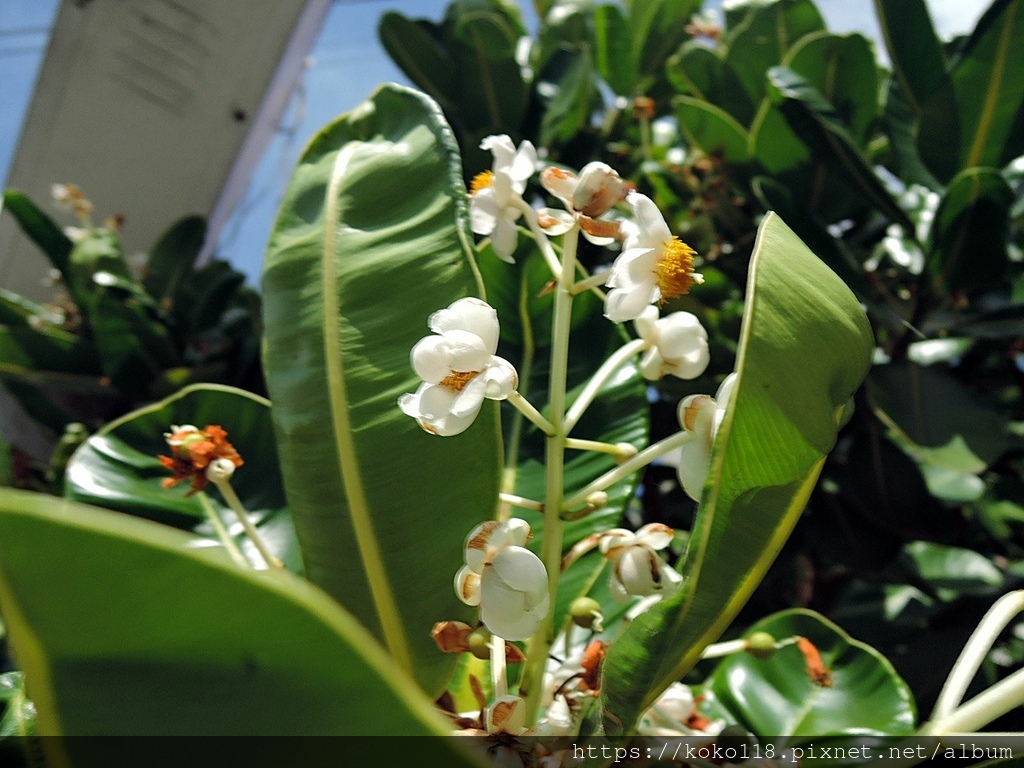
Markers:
point(658, 28)
point(977, 119)
point(899, 121)
point(415, 47)
point(613, 54)
point(842, 69)
point(117, 468)
point(373, 237)
point(931, 408)
point(815, 121)
point(124, 627)
point(697, 70)
point(762, 34)
point(956, 569)
point(40, 228)
point(967, 248)
point(48, 356)
point(172, 257)
point(919, 64)
point(778, 697)
point(805, 347)
point(16, 310)
point(570, 77)
point(712, 130)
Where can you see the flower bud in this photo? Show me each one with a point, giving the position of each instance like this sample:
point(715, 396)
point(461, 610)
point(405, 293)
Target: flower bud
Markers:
point(599, 188)
point(586, 613)
point(761, 645)
point(480, 643)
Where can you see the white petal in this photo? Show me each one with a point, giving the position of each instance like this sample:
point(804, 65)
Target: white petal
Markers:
point(597, 239)
point(500, 378)
point(615, 538)
point(560, 183)
point(523, 165)
point(519, 569)
point(652, 366)
point(504, 611)
point(516, 532)
point(636, 570)
point(678, 332)
point(655, 535)
point(555, 222)
point(650, 222)
point(470, 314)
point(507, 715)
point(504, 239)
point(483, 211)
point(694, 464)
point(467, 402)
point(467, 586)
point(435, 402)
point(466, 351)
point(724, 393)
point(481, 542)
point(646, 325)
point(450, 425)
point(502, 148)
point(624, 304)
point(430, 359)
point(692, 364)
point(625, 268)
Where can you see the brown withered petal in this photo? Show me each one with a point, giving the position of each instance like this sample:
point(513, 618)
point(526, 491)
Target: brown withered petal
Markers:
point(451, 636)
point(599, 227)
point(513, 655)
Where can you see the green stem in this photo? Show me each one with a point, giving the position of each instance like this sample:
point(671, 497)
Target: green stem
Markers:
point(551, 548)
point(508, 480)
point(974, 652)
point(222, 532)
point(608, 367)
point(520, 501)
point(546, 249)
point(224, 486)
point(526, 408)
point(626, 468)
point(621, 451)
point(991, 703)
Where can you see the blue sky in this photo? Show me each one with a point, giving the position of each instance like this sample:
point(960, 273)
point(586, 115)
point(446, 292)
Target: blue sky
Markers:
point(346, 64)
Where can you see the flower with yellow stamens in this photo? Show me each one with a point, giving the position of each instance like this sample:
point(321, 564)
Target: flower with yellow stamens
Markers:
point(654, 266)
point(459, 368)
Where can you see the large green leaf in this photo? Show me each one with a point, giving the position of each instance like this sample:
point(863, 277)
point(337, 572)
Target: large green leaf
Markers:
point(712, 130)
point(657, 28)
point(172, 257)
point(372, 237)
point(124, 627)
point(777, 697)
point(42, 230)
point(117, 468)
point(916, 52)
point(978, 120)
point(613, 54)
point(765, 32)
point(969, 234)
point(843, 70)
point(816, 122)
point(805, 346)
point(700, 71)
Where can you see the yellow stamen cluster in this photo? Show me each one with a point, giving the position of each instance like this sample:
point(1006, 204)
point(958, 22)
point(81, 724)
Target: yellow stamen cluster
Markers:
point(675, 270)
point(482, 180)
point(456, 381)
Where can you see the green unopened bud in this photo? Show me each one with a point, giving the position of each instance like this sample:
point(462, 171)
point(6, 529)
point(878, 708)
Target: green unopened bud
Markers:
point(586, 612)
point(480, 643)
point(761, 645)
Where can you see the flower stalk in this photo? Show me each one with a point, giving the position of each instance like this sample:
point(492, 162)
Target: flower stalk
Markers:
point(224, 486)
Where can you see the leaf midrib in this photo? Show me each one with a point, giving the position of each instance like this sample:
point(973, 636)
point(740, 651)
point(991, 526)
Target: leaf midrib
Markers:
point(348, 461)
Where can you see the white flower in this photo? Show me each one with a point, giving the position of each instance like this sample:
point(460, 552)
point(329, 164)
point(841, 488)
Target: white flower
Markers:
point(678, 344)
point(494, 194)
point(458, 367)
point(636, 567)
point(507, 581)
point(653, 266)
point(701, 415)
